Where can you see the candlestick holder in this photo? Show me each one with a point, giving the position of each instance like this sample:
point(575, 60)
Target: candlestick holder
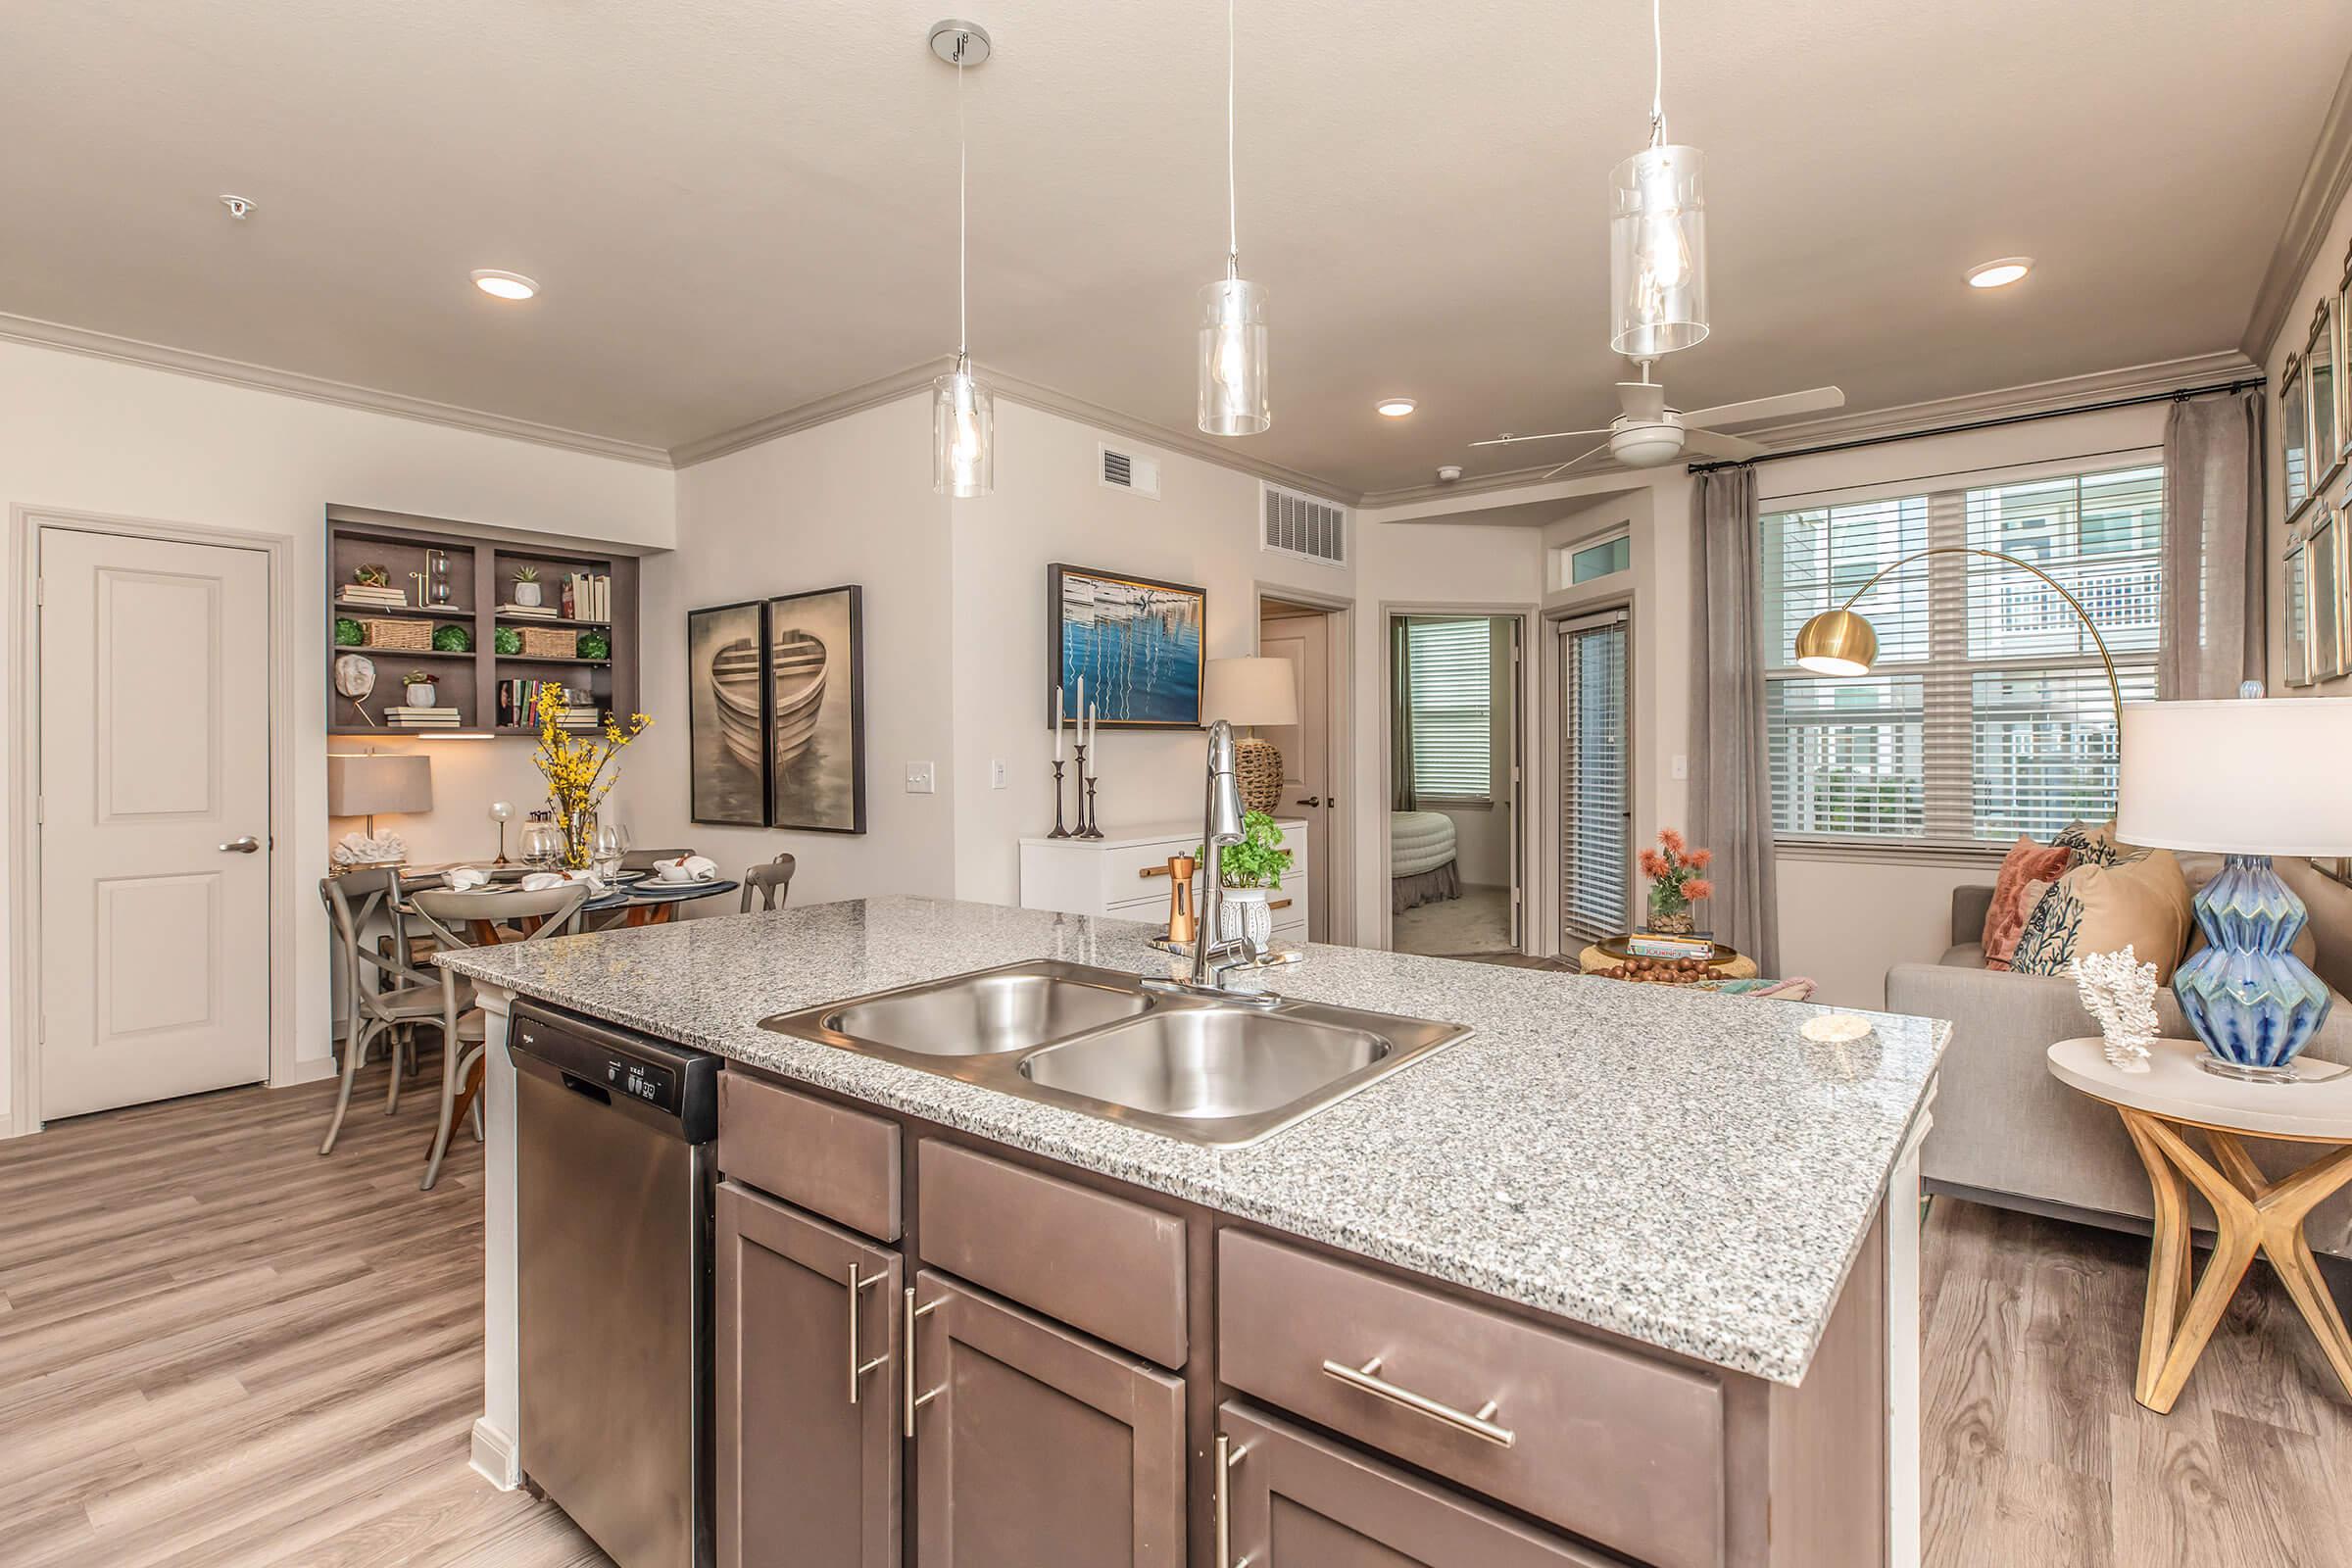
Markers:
point(1059, 832)
point(1086, 789)
point(1093, 828)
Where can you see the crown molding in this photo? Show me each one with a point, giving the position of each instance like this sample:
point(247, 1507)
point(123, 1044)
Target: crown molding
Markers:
point(318, 389)
point(2327, 180)
point(821, 411)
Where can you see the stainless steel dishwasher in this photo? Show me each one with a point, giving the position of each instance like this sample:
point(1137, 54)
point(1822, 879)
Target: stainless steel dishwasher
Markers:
point(613, 1141)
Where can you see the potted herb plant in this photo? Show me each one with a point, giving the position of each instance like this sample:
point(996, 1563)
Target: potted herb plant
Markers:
point(418, 690)
point(1251, 871)
point(526, 586)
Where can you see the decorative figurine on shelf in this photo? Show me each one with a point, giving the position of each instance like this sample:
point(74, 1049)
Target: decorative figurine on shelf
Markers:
point(1675, 884)
point(2120, 992)
point(418, 690)
point(1251, 874)
point(594, 645)
point(526, 587)
point(349, 633)
point(355, 679)
point(371, 576)
point(453, 639)
point(508, 641)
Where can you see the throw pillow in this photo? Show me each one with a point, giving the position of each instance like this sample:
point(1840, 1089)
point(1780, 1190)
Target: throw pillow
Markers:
point(2026, 863)
point(2093, 843)
point(2097, 908)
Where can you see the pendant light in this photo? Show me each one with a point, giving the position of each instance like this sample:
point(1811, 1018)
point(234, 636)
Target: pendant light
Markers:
point(1233, 313)
point(964, 416)
point(1657, 236)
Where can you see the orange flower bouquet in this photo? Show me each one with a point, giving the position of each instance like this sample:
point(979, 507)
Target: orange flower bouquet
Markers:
point(1675, 882)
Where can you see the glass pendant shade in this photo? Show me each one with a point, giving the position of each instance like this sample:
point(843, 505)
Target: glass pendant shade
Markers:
point(1233, 358)
point(1659, 252)
point(963, 436)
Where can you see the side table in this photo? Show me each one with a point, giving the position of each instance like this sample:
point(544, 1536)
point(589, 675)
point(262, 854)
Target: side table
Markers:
point(1735, 966)
point(2254, 1213)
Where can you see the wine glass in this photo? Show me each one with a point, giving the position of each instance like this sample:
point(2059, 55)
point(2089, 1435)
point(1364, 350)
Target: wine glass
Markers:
point(611, 843)
point(540, 845)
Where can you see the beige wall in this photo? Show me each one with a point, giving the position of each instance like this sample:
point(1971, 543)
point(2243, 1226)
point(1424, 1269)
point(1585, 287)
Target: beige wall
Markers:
point(2320, 282)
point(93, 435)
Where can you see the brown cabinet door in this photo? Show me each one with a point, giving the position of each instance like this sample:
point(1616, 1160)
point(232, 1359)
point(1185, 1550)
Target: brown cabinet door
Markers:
point(1036, 1446)
point(1296, 1500)
point(807, 1477)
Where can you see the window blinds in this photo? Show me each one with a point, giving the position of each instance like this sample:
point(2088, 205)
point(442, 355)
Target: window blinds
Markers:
point(1596, 874)
point(1988, 715)
point(1450, 664)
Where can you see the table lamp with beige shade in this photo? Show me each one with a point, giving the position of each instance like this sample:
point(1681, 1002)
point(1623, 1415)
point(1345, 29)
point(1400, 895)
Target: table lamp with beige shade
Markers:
point(1253, 692)
point(368, 783)
point(2246, 779)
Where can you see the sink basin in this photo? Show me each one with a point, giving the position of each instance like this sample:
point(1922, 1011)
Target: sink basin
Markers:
point(986, 1014)
point(1199, 1068)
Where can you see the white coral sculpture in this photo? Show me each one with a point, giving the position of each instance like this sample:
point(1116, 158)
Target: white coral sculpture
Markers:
point(2121, 993)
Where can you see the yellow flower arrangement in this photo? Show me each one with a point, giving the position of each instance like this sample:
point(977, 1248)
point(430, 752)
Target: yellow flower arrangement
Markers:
point(580, 771)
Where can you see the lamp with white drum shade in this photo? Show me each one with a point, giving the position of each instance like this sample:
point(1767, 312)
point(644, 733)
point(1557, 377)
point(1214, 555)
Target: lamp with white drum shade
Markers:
point(1253, 692)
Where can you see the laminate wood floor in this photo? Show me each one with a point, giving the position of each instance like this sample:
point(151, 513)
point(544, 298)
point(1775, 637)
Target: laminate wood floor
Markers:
point(217, 1348)
point(2037, 1456)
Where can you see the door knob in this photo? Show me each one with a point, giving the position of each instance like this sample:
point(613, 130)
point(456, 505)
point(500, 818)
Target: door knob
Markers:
point(1311, 800)
point(248, 845)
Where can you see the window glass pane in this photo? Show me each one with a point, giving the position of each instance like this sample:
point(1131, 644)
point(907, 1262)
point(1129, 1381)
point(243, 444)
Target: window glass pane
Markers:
point(1449, 666)
point(1846, 756)
point(2042, 748)
point(1602, 560)
point(2101, 536)
point(1815, 560)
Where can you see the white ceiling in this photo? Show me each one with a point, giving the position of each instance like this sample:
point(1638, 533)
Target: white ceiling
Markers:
point(739, 206)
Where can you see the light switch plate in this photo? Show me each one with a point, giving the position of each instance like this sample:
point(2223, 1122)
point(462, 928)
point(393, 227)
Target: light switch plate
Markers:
point(995, 773)
point(919, 779)
point(1682, 766)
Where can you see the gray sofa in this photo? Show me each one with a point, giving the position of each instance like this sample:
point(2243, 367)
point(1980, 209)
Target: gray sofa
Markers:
point(2007, 1133)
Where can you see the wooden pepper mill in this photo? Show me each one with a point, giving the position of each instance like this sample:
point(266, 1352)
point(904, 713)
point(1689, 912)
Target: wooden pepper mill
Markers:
point(1183, 925)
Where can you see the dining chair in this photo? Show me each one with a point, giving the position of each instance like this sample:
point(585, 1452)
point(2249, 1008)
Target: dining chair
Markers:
point(383, 997)
point(455, 917)
point(773, 882)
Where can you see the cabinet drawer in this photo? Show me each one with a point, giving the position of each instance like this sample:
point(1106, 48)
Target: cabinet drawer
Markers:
point(1099, 1263)
point(1620, 1448)
point(827, 1159)
point(1142, 868)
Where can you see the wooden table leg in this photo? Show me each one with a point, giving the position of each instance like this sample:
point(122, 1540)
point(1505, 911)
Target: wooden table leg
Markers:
point(2238, 1235)
point(651, 914)
point(2168, 1257)
point(2283, 1208)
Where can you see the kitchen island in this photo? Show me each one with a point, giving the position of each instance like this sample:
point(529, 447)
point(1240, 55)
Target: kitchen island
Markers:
point(1675, 1176)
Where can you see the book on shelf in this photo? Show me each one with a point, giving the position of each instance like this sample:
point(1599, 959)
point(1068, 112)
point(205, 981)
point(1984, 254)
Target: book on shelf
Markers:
point(381, 597)
point(587, 595)
point(522, 702)
point(528, 611)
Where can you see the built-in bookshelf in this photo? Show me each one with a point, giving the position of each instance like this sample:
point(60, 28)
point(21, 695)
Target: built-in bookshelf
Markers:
point(450, 575)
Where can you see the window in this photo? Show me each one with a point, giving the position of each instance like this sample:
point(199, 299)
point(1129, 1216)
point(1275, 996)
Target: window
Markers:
point(1449, 664)
point(1988, 713)
point(1603, 557)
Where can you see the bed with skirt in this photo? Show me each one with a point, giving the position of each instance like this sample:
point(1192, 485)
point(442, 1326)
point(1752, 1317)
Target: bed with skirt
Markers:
point(1421, 860)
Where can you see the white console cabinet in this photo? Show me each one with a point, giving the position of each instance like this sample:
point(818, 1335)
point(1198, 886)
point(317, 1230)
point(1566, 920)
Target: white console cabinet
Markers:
point(1125, 873)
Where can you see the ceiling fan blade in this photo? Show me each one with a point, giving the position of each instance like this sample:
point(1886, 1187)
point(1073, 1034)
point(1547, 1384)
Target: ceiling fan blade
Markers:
point(1579, 458)
point(1644, 402)
point(1715, 444)
point(1549, 435)
point(1779, 408)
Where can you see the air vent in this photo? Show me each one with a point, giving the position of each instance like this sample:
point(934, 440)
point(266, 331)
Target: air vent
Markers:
point(1124, 471)
point(1306, 527)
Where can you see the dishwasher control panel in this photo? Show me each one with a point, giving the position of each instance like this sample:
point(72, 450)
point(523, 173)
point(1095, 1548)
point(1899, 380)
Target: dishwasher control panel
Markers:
point(669, 1081)
point(642, 1080)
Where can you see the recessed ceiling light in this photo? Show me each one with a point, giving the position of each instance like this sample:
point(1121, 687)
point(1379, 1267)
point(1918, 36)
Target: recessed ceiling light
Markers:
point(1394, 408)
point(1996, 274)
point(503, 285)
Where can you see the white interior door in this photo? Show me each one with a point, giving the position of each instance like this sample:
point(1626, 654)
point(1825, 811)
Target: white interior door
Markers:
point(154, 819)
point(1306, 641)
point(1596, 801)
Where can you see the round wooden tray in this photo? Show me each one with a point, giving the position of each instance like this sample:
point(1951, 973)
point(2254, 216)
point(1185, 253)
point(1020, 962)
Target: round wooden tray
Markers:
point(1619, 947)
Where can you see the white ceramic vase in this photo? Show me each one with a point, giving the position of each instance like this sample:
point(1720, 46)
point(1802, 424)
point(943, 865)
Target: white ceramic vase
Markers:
point(424, 695)
point(526, 593)
point(1246, 910)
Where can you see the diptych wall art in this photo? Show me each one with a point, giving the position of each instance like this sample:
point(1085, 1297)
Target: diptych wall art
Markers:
point(776, 712)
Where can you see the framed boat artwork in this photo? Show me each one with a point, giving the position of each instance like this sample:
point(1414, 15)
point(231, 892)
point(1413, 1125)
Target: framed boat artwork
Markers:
point(1136, 643)
point(816, 711)
point(726, 717)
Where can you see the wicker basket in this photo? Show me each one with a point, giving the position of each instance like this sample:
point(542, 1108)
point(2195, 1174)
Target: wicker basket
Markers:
point(550, 642)
point(389, 634)
point(1257, 769)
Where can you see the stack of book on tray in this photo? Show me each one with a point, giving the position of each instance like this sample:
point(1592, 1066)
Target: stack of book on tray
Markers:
point(371, 597)
point(420, 718)
point(521, 703)
point(588, 596)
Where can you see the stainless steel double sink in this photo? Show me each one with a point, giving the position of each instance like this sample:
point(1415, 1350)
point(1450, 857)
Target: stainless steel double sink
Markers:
point(1199, 1068)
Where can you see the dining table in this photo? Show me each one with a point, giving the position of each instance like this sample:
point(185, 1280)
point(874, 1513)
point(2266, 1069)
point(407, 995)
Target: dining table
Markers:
point(645, 897)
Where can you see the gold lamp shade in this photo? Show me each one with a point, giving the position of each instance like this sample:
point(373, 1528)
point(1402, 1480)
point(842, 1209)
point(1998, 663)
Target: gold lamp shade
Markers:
point(1837, 642)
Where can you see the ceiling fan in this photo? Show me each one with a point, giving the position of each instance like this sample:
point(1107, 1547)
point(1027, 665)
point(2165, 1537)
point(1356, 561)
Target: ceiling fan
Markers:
point(1649, 433)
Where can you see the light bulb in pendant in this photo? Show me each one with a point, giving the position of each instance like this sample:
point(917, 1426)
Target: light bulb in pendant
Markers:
point(1233, 358)
point(963, 430)
point(1657, 252)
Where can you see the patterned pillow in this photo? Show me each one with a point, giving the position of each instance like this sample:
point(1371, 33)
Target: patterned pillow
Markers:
point(2026, 865)
point(2097, 908)
point(2093, 844)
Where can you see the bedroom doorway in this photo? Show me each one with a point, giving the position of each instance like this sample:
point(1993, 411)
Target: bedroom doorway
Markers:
point(1454, 781)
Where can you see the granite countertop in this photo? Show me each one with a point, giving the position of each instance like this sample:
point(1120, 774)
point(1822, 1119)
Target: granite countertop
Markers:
point(1679, 1167)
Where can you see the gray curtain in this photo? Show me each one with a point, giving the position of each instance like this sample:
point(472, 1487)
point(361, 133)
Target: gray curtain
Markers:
point(2214, 631)
point(1401, 795)
point(1731, 776)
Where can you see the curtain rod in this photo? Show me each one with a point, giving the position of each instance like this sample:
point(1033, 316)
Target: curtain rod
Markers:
point(2177, 395)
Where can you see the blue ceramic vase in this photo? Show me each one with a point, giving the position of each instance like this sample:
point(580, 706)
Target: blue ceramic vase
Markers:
point(2253, 1002)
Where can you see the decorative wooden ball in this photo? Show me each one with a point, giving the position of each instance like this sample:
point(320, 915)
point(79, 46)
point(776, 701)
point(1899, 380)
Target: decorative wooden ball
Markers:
point(1257, 769)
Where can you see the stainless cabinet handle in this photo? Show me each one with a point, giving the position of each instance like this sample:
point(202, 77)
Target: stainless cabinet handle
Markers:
point(858, 1369)
point(1368, 1378)
point(1229, 1454)
point(915, 1314)
point(248, 845)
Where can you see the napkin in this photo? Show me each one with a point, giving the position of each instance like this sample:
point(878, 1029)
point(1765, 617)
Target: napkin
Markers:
point(541, 881)
point(698, 868)
point(464, 878)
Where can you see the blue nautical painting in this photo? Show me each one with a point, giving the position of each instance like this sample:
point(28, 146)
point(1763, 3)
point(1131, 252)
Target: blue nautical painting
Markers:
point(1135, 641)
